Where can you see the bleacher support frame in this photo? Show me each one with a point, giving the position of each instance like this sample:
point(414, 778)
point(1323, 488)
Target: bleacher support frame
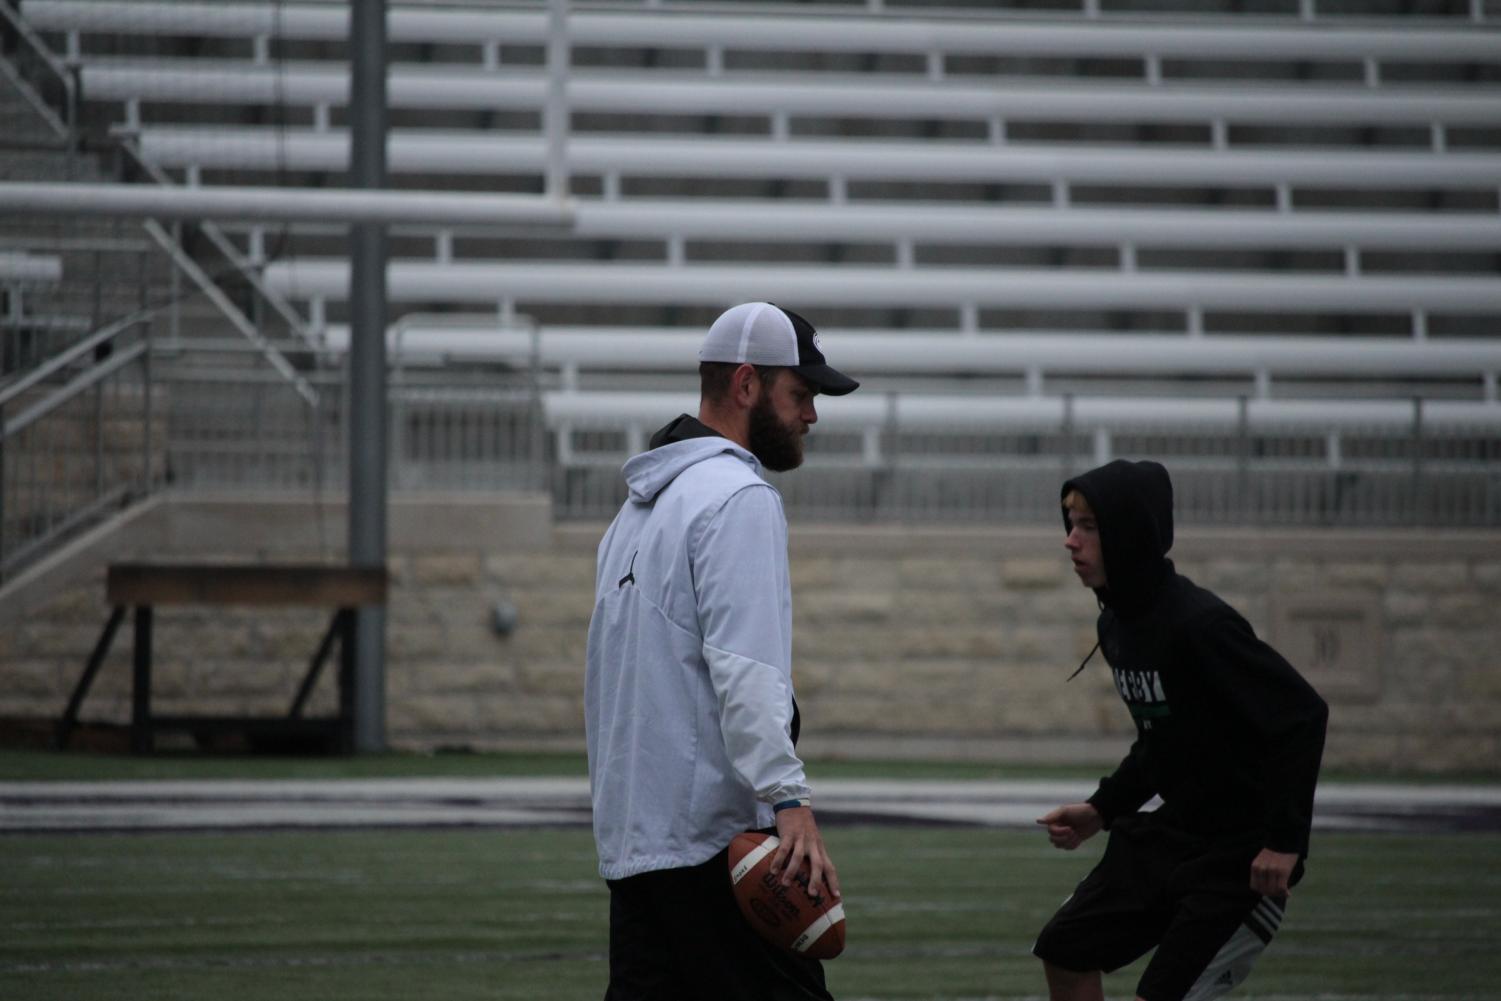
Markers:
point(1373, 321)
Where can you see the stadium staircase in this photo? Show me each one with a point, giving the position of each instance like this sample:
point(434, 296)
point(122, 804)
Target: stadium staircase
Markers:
point(109, 332)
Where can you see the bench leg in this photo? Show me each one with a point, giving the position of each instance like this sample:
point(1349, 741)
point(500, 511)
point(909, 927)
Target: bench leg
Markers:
point(66, 725)
point(347, 625)
point(140, 692)
point(335, 631)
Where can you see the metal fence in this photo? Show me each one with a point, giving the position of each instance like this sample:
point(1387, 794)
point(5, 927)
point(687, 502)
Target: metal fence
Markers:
point(255, 434)
point(116, 432)
point(1449, 478)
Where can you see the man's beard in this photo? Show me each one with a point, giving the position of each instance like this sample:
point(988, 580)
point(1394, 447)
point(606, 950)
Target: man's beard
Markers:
point(777, 446)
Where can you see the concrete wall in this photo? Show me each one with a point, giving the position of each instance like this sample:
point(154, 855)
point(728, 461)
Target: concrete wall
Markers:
point(908, 641)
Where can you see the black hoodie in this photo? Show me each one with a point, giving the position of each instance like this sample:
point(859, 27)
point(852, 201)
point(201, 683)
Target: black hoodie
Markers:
point(1227, 732)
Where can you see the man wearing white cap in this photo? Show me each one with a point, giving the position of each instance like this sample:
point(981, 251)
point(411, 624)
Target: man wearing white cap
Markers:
point(688, 699)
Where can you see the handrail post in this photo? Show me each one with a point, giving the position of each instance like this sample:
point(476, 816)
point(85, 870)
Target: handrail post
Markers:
point(555, 113)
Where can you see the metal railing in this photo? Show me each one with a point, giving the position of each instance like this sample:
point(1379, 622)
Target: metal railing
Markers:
point(230, 431)
point(486, 431)
point(1296, 475)
point(79, 436)
point(111, 432)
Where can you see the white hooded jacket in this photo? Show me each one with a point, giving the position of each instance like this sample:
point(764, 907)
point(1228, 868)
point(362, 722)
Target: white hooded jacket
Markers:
point(688, 693)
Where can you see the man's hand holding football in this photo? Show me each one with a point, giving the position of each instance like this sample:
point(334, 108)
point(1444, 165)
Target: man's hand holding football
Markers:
point(801, 845)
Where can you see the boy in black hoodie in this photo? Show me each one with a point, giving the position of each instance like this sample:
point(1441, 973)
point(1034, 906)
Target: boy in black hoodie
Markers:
point(1227, 734)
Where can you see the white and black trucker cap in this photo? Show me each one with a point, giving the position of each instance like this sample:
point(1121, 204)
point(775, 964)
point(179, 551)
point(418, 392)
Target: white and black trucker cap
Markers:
point(761, 333)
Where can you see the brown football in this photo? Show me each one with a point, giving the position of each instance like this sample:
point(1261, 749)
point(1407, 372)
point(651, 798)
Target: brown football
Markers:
point(786, 916)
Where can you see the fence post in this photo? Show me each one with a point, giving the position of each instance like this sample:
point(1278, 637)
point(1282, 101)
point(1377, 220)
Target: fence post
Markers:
point(881, 458)
point(2, 495)
point(1067, 451)
point(398, 474)
point(1242, 457)
point(1415, 492)
point(537, 436)
point(146, 431)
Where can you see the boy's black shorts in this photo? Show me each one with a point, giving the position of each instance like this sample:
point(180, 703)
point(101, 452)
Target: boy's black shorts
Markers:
point(1160, 887)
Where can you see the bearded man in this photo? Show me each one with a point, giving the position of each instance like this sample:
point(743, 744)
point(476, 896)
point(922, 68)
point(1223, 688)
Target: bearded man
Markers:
point(690, 718)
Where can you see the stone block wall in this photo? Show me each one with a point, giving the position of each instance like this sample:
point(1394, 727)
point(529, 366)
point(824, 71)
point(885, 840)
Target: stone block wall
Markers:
point(908, 641)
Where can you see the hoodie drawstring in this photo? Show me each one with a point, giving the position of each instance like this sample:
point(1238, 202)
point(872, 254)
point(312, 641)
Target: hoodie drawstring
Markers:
point(1088, 655)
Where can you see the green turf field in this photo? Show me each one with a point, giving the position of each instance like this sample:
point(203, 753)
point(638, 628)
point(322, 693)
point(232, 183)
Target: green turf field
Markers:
point(933, 913)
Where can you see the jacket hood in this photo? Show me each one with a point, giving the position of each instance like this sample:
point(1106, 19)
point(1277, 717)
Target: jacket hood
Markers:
point(680, 445)
point(1133, 506)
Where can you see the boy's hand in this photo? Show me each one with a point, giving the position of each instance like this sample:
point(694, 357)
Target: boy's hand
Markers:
point(1270, 872)
point(1072, 825)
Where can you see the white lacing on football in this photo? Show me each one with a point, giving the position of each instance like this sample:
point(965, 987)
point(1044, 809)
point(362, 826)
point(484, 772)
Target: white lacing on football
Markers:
point(825, 921)
point(753, 856)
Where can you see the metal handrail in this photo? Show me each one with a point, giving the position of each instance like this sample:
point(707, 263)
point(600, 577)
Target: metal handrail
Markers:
point(283, 308)
point(67, 126)
point(94, 375)
point(68, 357)
point(91, 378)
point(278, 303)
point(187, 266)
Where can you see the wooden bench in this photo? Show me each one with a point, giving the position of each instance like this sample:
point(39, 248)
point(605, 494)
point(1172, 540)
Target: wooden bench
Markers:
point(145, 586)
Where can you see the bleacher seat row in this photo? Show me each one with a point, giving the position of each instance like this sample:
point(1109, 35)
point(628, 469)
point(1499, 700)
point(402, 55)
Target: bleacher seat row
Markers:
point(24, 268)
point(1199, 32)
point(301, 85)
point(419, 339)
point(937, 186)
point(936, 287)
point(834, 163)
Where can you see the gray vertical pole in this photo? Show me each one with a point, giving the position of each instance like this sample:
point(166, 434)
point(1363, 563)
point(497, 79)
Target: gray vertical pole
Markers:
point(366, 416)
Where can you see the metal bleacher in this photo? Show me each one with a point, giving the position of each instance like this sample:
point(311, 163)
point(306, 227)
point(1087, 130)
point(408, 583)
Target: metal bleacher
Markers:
point(1264, 246)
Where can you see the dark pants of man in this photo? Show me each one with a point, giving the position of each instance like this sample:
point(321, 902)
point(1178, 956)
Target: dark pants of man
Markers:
point(677, 935)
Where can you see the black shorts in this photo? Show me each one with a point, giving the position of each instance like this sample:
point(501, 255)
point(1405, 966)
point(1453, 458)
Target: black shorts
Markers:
point(1158, 887)
point(678, 935)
